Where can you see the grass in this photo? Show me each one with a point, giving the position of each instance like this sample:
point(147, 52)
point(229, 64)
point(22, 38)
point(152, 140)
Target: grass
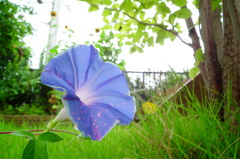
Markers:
point(198, 133)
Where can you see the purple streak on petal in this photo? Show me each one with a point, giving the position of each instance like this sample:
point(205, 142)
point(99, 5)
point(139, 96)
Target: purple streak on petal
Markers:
point(56, 81)
point(94, 121)
point(58, 73)
point(109, 80)
point(86, 62)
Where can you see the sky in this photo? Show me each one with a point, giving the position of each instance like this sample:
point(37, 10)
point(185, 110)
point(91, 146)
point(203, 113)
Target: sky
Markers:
point(75, 15)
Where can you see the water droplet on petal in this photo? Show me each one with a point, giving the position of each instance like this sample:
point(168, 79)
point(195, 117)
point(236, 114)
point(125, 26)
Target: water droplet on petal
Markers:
point(99, 114)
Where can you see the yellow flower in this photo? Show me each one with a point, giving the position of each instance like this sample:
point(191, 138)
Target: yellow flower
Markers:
point(53, 13)
point(66, 27)
point(149, 107)
point(97, 30)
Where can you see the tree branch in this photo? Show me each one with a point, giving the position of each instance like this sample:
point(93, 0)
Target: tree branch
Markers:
point(195, 43)
point(149, 24)
point(193, 34)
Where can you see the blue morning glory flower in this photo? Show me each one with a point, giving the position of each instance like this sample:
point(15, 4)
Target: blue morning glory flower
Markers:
point(96, 92)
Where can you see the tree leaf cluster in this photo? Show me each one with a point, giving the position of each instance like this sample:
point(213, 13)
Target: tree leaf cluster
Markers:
point(140, 23)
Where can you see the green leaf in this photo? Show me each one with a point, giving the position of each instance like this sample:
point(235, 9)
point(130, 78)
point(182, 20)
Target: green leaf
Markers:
point(163, 9)
point(150, 41)
point(105, 20)
point(115, 6)
point(29, 150)
point(172, 18)
point(126, 6)
point(35, 149)
point(216, 4)
point(25, 134)
point(145, 37)
point(93, 7)
point(107, 2)
point(139, 49)
point(160, 37)
point(193, 72)
point(41, 150)
point(133, 49)
point(115, 17)
point(106, 13)
point(49, 136)
point(149, 5)
point(183, 13)
point(128, 43)
point(180, 3)
point(199, 56)
point(139, 33)
point(142, 14)
point(171, 36)
point(95, 1)
point(117, 26)
point(141, 26)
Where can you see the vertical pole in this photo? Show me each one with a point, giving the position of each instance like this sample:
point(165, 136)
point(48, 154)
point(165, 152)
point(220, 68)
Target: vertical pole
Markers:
point(144, 79)
point(53, 30)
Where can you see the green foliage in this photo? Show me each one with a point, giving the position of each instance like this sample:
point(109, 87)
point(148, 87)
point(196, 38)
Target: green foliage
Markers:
point(36, 148)
point(180, 3)
point(193, 72)
point(183, 13)
point(136, 28)
point(199, 57)
point(50, 137)
point(56, 100)
point(29, 151)
point(21, 92)
point(172, 78)
point(13, 29)
point(27, 134)
point(19, 85)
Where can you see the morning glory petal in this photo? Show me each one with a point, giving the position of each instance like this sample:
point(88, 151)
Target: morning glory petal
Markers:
point(58, 74)
point(94, 121)
point(69, 70)
point(108, 80)
point(86, 62)
point(123, 105)
point(109, 86)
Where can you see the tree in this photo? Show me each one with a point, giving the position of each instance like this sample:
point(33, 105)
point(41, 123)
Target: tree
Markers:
point(19, 86)
point(13, 29)
point(218, 59)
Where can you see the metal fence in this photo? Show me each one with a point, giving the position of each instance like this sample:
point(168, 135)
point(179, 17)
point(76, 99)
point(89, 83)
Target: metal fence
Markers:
point(140, 80)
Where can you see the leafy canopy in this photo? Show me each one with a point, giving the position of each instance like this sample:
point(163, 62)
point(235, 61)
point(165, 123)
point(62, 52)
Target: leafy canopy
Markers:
point(140, 23)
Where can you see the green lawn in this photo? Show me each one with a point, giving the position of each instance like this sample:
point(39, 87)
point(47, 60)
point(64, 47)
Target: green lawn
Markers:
point(165, 134)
